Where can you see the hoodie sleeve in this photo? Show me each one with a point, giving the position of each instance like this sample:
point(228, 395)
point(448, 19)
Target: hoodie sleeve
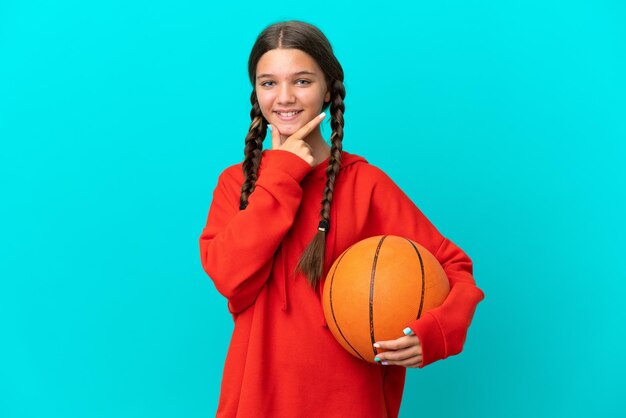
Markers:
point(237, 247)
point(442, 330)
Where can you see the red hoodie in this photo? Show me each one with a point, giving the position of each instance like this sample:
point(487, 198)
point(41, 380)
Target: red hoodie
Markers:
point(282, 360)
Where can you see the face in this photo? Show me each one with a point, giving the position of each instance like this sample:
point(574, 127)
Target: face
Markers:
point(288, 81)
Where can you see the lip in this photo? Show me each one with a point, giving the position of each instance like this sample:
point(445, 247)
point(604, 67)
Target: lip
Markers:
point(288, 118)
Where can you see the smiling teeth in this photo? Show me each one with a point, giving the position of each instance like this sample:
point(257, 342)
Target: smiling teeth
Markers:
point(288, 113)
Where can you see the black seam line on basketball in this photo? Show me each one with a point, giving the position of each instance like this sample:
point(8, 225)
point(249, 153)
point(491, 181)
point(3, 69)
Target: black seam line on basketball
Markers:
point(373, 277)
point(419, 312)
point(332, 310)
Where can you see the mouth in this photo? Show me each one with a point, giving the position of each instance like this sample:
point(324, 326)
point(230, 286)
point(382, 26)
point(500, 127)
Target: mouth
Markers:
point(287, 116)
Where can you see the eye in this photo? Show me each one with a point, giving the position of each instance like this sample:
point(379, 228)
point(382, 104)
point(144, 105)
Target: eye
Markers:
point(264, 84)
point(305, 81)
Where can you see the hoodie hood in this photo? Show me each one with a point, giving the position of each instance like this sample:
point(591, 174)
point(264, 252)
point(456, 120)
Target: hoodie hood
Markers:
point(318, 173)
point(347, 159)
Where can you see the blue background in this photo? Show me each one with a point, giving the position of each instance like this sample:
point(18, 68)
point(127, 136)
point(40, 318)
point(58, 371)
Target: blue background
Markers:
point(504, 121)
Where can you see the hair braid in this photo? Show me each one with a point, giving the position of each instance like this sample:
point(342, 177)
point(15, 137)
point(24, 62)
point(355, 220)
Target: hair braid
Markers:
point(252, 151)
point(311, 263)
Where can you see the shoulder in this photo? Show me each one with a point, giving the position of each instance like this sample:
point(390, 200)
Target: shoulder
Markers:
point(373, 180)
point(230, 180)
point(232, 174)
point(361, 169)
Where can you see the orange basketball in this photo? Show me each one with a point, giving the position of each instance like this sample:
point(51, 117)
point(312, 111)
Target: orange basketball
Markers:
point(378, 285)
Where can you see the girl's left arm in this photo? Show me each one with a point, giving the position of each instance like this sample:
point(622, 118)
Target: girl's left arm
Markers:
point(441, 331)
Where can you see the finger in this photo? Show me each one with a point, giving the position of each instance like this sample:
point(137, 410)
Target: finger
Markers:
point(308, 128)
point(275, 136)
point(402, 342)
point(412, 362)
point(400, 362)
point(400, 355)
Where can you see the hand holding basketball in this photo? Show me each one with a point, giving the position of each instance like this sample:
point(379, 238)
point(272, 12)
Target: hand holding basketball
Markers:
point(405, 351)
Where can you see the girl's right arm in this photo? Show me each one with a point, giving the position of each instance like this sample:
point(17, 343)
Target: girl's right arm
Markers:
point(237, 247)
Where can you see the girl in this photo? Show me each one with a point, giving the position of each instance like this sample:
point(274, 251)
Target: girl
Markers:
point(277, 222)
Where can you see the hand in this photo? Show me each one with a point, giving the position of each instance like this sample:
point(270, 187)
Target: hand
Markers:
point(405, 351)
point(296, 143)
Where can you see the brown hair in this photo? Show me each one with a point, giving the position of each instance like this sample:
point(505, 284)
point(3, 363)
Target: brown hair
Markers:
point(307, 38)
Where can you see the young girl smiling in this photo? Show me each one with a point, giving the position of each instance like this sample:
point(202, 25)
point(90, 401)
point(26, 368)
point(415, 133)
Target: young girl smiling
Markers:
point(277, 222)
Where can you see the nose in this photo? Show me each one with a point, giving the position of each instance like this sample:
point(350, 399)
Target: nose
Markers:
point(285, 94)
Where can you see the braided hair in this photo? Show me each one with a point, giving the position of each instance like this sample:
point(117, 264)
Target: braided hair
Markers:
point(252, 151)
point(307, 38)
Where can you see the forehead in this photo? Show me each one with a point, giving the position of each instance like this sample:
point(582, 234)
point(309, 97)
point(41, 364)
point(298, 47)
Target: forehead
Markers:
point(285, 61)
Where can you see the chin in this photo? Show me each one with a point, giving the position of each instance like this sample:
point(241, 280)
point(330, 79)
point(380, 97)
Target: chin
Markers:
point(288, 129)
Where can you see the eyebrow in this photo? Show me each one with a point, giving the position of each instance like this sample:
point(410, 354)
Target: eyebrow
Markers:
point(298, 73)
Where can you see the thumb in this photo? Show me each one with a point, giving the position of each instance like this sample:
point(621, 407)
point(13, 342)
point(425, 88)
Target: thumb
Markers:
point(275, 136)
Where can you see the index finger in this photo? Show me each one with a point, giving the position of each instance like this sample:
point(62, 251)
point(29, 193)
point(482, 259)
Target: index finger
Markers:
point(306, 129)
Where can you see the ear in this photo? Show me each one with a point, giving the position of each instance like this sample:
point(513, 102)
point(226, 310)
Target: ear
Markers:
point(327, 97)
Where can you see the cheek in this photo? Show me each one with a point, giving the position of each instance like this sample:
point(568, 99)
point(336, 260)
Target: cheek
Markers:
point(315, 99)
point(265, 103)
